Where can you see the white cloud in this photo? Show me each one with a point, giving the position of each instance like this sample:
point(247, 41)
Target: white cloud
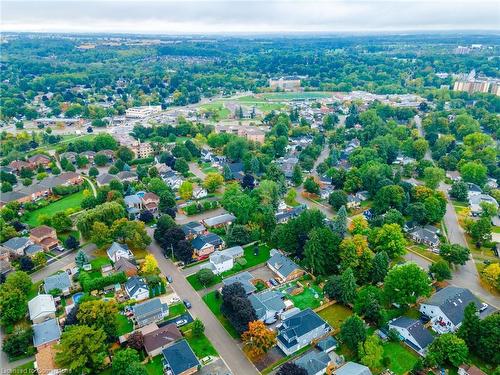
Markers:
point(246, 16)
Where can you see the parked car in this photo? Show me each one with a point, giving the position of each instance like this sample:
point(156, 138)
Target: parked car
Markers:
point(273, 282)
point(181, 322)
point(483, 307)
point(187, 304)
point(170, 279)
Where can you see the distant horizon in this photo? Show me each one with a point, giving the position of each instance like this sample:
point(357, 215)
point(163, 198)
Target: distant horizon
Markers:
point(246, 17)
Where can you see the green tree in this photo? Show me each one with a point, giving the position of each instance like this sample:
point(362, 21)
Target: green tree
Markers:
point(371, 352)
point(319, 253)
point(339, 222)
point(99, 314)
point(470, 329)
point(61, 221)
point(13, 305)
point(81, 259)
point(19, 280)
point(455, 254)
point(459, 191)
point(198, 327)
point(353, 332)
point(369, 304)
point(347, 287)
point(19, 342)
point(380, 266)
point(475, 172)
point(205, 276)
point(388, 238)
point(311, 186)
point(297, 177)
point(125, 358)
point(440, 270)
point(82, 349)
point(447, 349)
point(124, 153)
point(213, 181)
point(337, 199)
point(186, 190)
point(489, 338)
point(93, 172)
point(433, 176)
point(101, 234)
point(405, 283)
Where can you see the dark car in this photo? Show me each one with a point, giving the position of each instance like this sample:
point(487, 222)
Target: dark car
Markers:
point(90, 129)
point(187, 304)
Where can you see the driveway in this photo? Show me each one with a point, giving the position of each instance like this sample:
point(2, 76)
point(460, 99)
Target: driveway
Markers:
point(227, 347)
point(183, 219)
point(187, 316)
point(217, 367)
point(195, 169)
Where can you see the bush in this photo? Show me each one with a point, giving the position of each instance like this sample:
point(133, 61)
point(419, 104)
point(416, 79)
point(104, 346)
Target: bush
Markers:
point(65, 190)
point(141, 161)
point(89, 284)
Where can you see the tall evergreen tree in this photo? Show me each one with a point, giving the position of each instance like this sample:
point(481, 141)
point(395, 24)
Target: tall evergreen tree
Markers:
point(339, 222)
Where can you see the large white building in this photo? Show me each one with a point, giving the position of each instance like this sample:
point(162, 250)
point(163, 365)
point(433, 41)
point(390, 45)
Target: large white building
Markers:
point(141, 112)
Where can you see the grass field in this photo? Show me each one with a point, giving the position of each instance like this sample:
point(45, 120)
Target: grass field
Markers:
point(214, 305)
point(175, 310)
point(200, 344)
point(216, 108)
point(124, 325)
point(25, 369)
point(155, 367)
point(71, 201)
point(402, 359)
point(335, 314)
point(251, 259)
point(307, 299)
point(195, 283)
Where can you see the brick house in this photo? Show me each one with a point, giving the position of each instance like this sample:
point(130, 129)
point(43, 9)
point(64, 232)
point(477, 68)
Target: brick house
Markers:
point(44, 236)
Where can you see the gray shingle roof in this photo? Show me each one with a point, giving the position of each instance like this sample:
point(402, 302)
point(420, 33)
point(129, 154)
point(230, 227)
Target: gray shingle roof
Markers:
point(16, 243)
point(313, 362)
point(46, 332)
point(145, 309)
point(11, 196)
point(244, 279)
point(299, 325)
point(353, 368)
point(453, 301)
point(270, 300)
point(180, 357)
point(284, 265)
point(421, 335)
point(220, 219)
point(327, 343)
point(58, 281)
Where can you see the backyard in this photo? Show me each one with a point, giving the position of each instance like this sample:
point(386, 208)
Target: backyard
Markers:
point(251, 259)
point(70, 201)
point(311, 297)
point(335, 315)
point(125, 325)
point(214, 304)
point(402, 359)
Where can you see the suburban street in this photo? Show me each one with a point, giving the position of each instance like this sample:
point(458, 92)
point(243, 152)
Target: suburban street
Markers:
point(228, 348)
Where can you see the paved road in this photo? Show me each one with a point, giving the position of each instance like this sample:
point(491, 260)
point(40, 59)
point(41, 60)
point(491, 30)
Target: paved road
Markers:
point(194, 168)
point(228, 348)
point(463, 276)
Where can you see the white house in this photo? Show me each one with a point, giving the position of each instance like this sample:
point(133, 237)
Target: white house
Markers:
point(137, 288)
point(117, 251)
point(413, 333)
point(199, 193)
point(41, 308)
point(222, 261)
point(446, 308)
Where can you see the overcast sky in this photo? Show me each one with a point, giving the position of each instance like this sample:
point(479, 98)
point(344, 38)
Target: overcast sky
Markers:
point(247, 16)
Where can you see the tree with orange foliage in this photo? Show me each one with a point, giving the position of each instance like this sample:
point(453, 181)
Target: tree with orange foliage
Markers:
point(258, 339)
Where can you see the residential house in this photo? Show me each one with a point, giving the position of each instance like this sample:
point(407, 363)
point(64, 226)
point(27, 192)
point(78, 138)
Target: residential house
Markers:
point(14, 196)
point(36, 191)
point(244, 278)
point(127, 176)
point(193, 229)
point(149, 312)
point(89, 154)
point(45, 236)
point(237, 171)
point(69, 178)
point(70, 156)
point(199, 193)
point(268, 305)
point(287, 166)
point(110, 154)
point(325, 191)
point(161, 338)
point(222, 261)
point(117, 251)
point(17, 245)
point(180, 358)
point(150, 202)
point(5, 266)
point(473, 189)
point(41, 308)
point(476, 200)
point(427, 235)
point(446, 307)
point(45, 359)
point(413, 333)
point(362, 195)
point(300, 330)
point(45, 333)
point(137, 288)
point(61, 281)
point(105, 179)
point(133, 203)
point(172, 179)
point(283, 267)
point(454, 176)
point(287, 214)
point(126, 266)
point(469, 370)
point(314, 362)
point(352, 368)
point(353, 201)
point(17, 165)
point(219, 221)
point(32, 250)
point(39, 159)
point(206, 244)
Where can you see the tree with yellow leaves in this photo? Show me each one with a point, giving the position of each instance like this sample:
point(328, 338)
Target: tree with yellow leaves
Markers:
point(150, 264)
point(258, 339)
point(492, 275)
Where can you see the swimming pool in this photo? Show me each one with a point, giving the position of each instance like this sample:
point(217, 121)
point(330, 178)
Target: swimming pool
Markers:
point(77, 297)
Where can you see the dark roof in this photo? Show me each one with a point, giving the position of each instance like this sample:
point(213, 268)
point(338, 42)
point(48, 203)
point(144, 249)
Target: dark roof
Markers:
point(105, 178)
point(327, 343)
point(11, 196)
point(192, 227)
point(299, 325)
point(145, 309)
point(421, 335)
point(244, 278)
point(123, 264)
point(134, 283)
point(16, 243)
point(284, 265)
point(236, 170)
point(58, 281)
point(269, 300)
point(161, 337)
point(180, 357)
point(313, 362)
point(452, 301)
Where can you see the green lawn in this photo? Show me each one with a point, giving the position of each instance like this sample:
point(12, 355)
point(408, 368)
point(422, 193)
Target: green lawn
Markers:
point(155, 366)
point(195, 283)
point(296, 95)
point(251, 259)
point(34, 290)
point(98, 262)
point(214, 305)
point(402, 359)
point(70, 201)
point(217, 107)
point(307, 299)
point(200, 344)
point(124, 324)
point(175, 310)
point(24, 369)
point(335, 314)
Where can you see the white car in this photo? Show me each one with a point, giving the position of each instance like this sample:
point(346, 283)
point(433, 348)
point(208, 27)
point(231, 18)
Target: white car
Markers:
point(181, 322)
point(483, 307)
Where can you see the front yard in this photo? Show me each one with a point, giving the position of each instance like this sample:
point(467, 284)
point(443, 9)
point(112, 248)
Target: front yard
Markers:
point(201, 346)
point(214, 304)
point(195, 283)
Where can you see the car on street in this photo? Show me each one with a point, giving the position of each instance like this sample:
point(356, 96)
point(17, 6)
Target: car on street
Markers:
point(187, 304)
